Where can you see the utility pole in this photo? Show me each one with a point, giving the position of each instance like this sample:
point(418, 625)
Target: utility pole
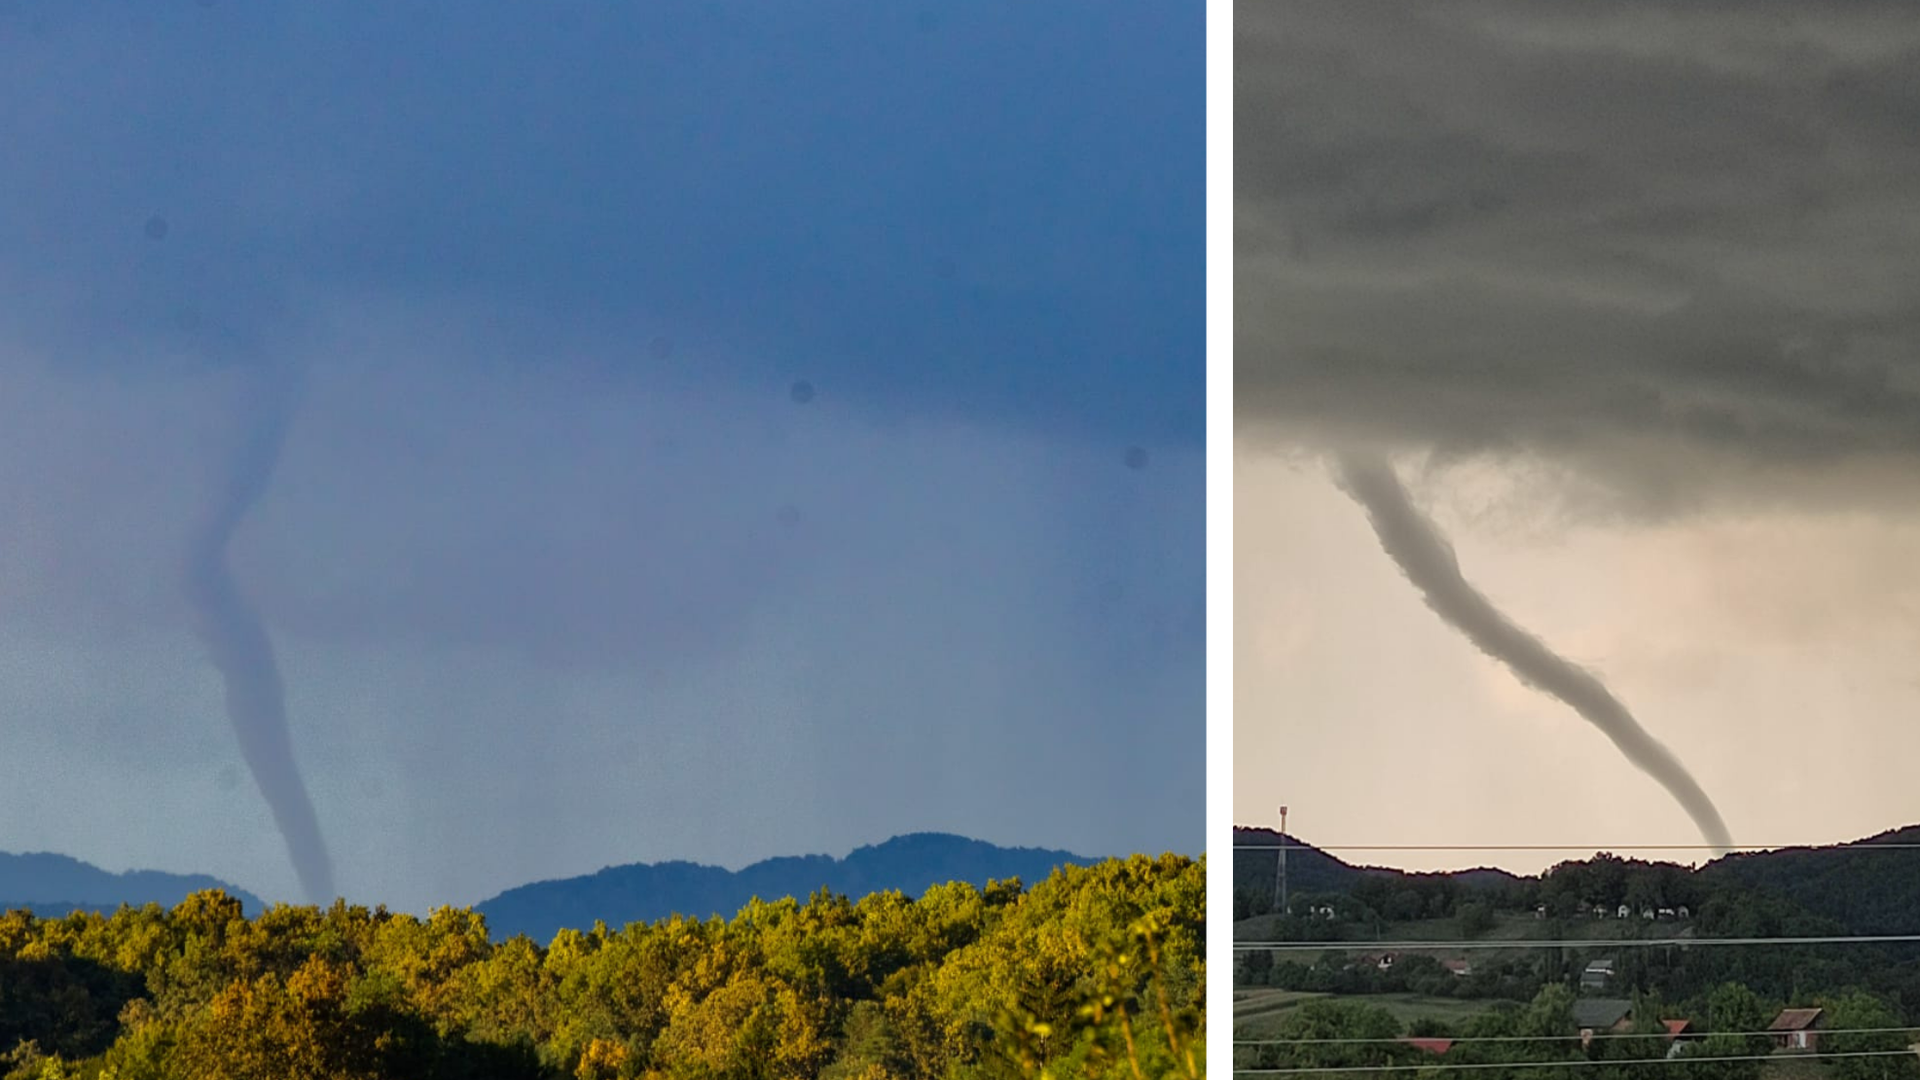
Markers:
point(1280, 869)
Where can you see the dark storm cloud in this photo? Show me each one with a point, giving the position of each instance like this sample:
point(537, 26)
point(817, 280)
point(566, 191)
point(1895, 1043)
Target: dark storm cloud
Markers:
point(1496, 227)
point(994, 218)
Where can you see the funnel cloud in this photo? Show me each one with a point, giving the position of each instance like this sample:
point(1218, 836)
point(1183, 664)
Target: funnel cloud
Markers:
point(238, 643)
point(1429, 563)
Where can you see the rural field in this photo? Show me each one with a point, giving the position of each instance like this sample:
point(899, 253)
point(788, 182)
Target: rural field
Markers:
point(1258, 1013)
point(1506, 927)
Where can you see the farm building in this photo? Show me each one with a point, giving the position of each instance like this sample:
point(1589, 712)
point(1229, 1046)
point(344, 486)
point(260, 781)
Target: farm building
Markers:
point(1796, 1029)
point(1597, 975)
point(1595, 1015)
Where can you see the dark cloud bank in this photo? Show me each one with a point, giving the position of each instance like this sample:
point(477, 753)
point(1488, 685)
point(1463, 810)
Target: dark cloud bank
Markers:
point(1669, 246)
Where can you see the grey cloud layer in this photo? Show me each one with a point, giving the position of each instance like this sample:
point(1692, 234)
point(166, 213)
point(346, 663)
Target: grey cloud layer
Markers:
point(1503, 226)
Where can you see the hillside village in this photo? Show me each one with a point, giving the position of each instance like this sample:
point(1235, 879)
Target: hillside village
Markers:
point(1364, 952)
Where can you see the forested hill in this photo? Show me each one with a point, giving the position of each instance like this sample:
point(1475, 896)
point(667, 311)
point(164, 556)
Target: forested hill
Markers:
point(1310, 870)
point(644, 892)
point(1869, 886)
point(1091, 968)
point(1868, 891)
point(49, 885)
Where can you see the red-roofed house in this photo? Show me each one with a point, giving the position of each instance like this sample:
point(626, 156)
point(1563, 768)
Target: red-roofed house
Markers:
point(1431, 1046)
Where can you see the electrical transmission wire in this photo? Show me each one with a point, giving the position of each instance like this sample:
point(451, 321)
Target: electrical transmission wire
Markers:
point(1566, 943)
point(1743, 848)
point(1571, 1063)
point(1409, 1039)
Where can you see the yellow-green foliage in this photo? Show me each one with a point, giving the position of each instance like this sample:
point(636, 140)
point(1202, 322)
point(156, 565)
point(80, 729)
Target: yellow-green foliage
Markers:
point(1097, 971)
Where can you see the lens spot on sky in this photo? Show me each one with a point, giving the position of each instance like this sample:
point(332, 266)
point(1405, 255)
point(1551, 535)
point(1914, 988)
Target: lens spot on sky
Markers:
point(1136, 457)
point(204, 3)
point(1112, 591)
point(789, 515)
point(927, 21)
point(156, 228)
point(660, 348)
point(373, 787)
point(802, 392)
point(229, 778)
point(945, 269)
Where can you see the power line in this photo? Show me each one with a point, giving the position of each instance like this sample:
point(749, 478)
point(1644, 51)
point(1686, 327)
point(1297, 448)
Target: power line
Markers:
point(1743, 848)
point(1568, 943)
point(1406, 1039)
point(1569, 1063)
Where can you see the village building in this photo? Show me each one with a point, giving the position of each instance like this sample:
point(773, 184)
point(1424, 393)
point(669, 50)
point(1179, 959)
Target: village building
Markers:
point(1597, 975)
point(1796, 1029)
point(1594, 1016)
point(1383, 961)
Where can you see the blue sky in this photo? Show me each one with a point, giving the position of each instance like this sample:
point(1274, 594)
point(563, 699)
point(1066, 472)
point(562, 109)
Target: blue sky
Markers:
point(558, 571)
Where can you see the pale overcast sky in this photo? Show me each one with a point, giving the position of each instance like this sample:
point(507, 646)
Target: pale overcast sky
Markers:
point(1626, 291)
point(561, 567)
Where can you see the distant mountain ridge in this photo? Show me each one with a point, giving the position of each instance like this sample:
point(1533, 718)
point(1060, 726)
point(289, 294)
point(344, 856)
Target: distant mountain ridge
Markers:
point(645, 892)
point(1311, 870)
point(1864, 885)
point(52, 885)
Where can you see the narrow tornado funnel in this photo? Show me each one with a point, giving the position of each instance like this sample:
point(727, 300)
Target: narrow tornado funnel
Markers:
point(1428, 561)
point(237, 640)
